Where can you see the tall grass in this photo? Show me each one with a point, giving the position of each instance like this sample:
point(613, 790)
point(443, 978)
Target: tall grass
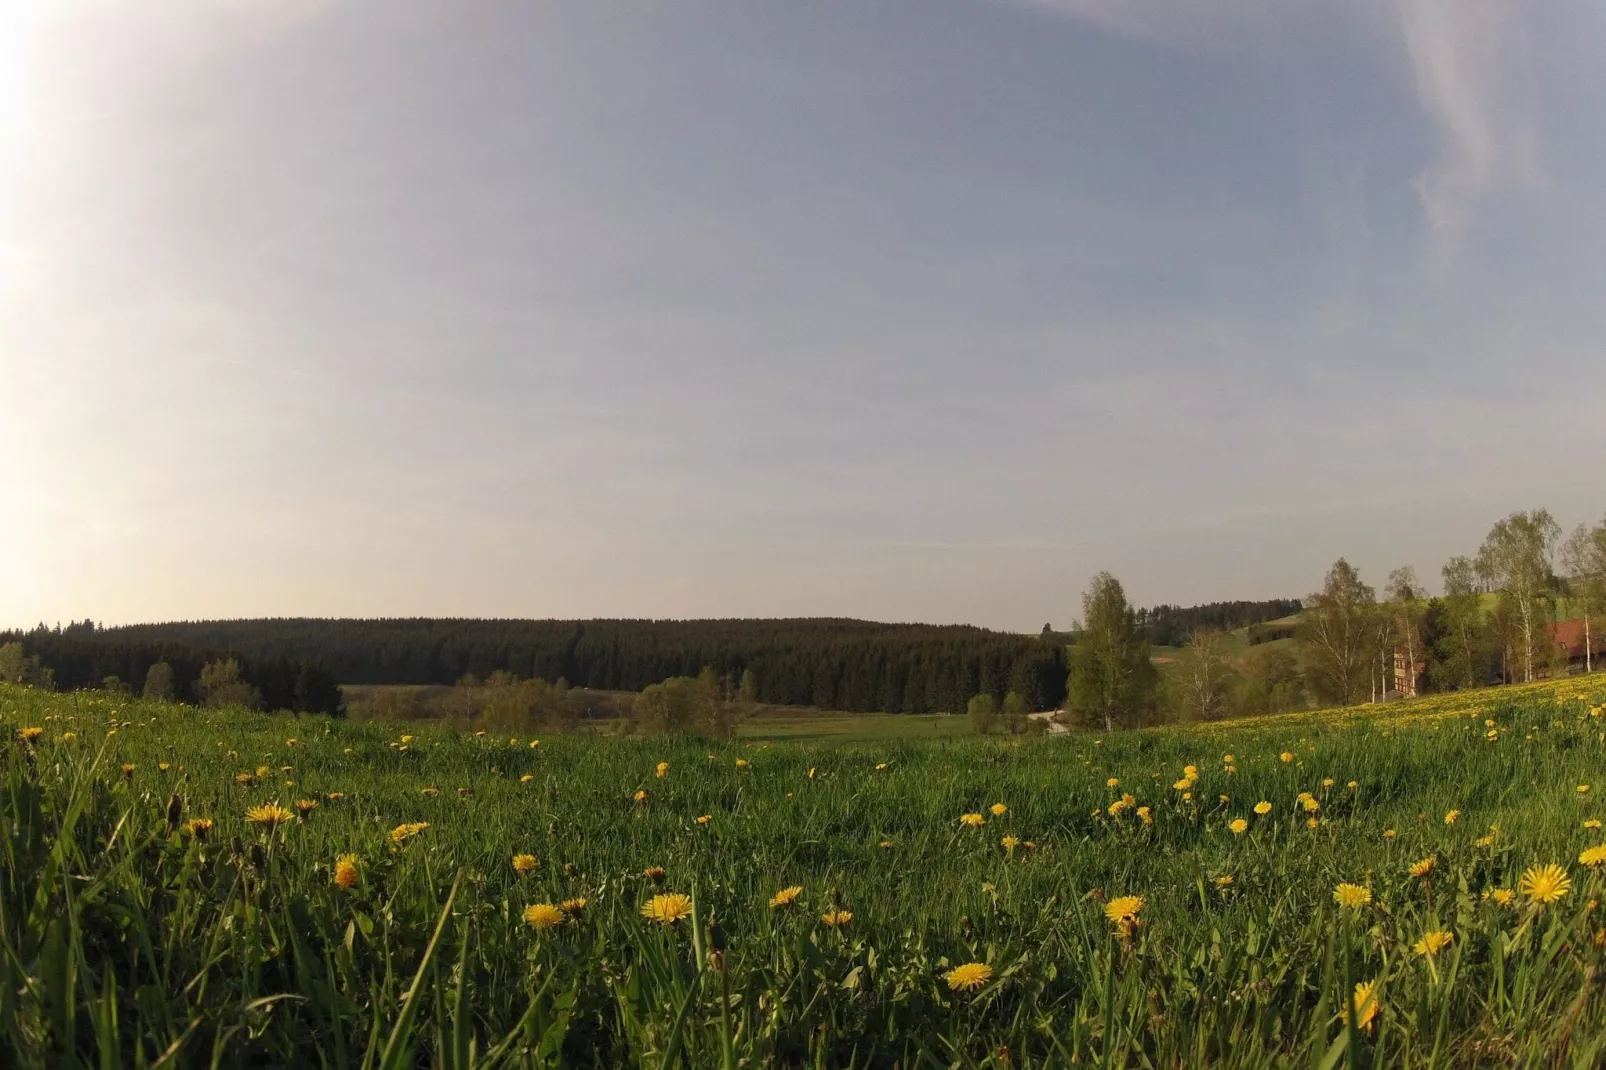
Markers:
point(126, 940)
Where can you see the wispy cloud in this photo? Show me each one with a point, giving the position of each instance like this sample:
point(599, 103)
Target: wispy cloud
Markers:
point(1468, 57)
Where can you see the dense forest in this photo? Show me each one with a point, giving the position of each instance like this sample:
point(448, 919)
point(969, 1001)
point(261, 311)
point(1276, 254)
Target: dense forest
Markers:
point(833, 664)
point(84, 655)
point(1172, 625)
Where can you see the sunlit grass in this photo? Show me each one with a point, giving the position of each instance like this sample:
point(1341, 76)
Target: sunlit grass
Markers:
point(427, 909)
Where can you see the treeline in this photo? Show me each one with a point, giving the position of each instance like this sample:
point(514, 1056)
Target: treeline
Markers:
point(1528, 604)
point(829, 663)
point(1172, 625)
point(83, 655)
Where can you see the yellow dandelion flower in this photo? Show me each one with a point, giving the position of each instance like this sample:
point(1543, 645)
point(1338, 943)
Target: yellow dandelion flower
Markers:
point(785, 897)
point(526, 778)
point(577, 905)
point(969, 977)
point(837, 918)
point(667, 909)
point(1239, 826)
point(1593, 857)
point(30, 734)
point(1502, 896)
point(705, 819)
point(407, 830)
point(886, 843)
point(1433, 942)
point(429, 793)
point(811, 772)
point(999, 809)
point(1227, 759)
point(1423, 867)
point(1113, 782)
point(1286, 756)
point(1224, 881)
point(654, 873)
point(534, 743)
point(1365, 1006)
point(68, 737)
point(972, 820)
point(1123, 908)
point(1583, 789)
point(1389, 834)
point(305, 807)
point(346, 871)
point(1182, 785)
point(1543, 885)
point(1592, 823)
point(1328, 782)
point(1311, 806)
point(640, 796)
point(269, 816)
point(128, 770)
point(1009, 843)
point(741, 763)
point(524, 865)
point(1263, 808)
point(1452, 817)
point(661, 770)
point(1146, 815)
point(199, 827)
point(1353, 896)
point(543, 916)
point(1352, 785)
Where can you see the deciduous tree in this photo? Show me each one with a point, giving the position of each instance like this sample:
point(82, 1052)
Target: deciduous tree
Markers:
point(1203, 677)
point(1462, 653)
point(1339, 632)
point(1516, 556)
point(1583, 558)
point(1112, 678)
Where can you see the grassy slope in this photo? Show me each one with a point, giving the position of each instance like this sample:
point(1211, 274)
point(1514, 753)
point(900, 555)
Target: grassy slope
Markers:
point(1216, 973)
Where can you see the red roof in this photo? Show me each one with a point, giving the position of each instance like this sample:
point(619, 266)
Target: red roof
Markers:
point(1570, 634)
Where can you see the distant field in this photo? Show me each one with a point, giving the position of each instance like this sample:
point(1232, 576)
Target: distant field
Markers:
point(813, 725)
point(1208, 895)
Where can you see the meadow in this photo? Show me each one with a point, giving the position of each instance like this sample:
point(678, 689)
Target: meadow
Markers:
point(1365, 887)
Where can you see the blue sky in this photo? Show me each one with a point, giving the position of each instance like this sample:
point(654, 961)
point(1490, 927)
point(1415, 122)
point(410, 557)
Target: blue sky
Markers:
point(905, 310)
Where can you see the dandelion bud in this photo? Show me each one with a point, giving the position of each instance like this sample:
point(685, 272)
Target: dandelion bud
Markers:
point(175, 809)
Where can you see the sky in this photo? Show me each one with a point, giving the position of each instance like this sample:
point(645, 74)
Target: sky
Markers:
point(897, 309)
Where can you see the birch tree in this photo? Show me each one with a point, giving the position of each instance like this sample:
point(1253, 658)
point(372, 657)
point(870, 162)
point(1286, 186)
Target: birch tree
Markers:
point(1112, 678)
point(1204, 678)
point(1339, 634)
point(1583, 559)
point(1463, 648)
point(1407, 606)
point(1516, 555)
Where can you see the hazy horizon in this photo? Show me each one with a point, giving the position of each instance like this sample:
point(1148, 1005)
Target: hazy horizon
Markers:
point(915, 311)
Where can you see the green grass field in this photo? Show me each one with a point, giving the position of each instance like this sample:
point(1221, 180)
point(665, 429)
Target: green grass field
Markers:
point(131, 939)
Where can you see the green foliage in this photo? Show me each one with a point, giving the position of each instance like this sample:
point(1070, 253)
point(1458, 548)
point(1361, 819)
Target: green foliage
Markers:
point(221, 685)
point(1014, 712)
point(1112, 679)
point(832, 664)
point(127, 938)
point(704, 705)
point(983, 713)
point(1338, 632)
point(1515, 559)
point(19, 667)
point(159, 683)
